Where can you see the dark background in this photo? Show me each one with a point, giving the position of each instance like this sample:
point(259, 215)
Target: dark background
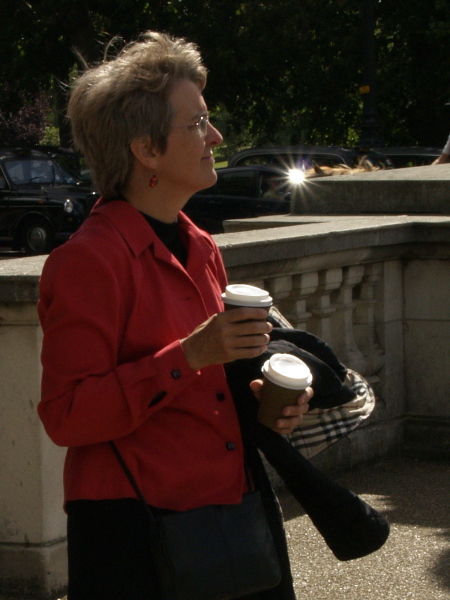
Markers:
point(284, 71)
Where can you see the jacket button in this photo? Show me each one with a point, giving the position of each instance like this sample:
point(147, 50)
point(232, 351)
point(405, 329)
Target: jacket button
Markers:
point(220, 396)
point(230, 445)
point(176, 374)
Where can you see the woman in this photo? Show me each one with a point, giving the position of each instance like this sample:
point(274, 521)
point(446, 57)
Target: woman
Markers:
point(135, 336)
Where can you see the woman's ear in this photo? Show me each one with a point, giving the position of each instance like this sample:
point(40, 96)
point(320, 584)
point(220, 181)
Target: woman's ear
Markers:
point(143, 151)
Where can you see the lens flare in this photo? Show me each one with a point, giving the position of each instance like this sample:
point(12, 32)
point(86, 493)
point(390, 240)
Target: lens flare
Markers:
point(296, 176)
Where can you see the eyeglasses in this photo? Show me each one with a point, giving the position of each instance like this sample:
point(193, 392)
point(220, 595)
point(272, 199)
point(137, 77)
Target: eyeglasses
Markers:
point(201, 124)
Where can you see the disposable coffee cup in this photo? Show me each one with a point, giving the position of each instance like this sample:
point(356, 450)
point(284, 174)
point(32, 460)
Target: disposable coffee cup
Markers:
point(285, 378)
point(241, 294)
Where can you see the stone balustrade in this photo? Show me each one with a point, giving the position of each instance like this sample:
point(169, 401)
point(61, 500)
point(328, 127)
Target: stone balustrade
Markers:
point(375, 288)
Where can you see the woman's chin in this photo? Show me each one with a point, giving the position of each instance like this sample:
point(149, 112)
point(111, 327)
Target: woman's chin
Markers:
point(210, 179)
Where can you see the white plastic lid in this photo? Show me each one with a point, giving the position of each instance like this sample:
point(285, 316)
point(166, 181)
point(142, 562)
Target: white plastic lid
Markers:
point(241, 294)
point(287, 371)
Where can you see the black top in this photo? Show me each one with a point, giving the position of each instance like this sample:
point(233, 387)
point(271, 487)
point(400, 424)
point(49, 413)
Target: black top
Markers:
point(169, 234)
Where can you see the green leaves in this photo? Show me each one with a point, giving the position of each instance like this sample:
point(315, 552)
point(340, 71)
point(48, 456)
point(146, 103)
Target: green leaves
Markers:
point(282, 70)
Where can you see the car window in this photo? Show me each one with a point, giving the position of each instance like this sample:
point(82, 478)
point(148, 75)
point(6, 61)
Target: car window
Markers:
point(297, 161)
point(411, 160)
point(235, 184)
point(273, 186)
point(69, 168)
point(266, 160)
point(23, 171)
point(405, 161)
point(328, 160)
point(261, 159)
point(67, 177)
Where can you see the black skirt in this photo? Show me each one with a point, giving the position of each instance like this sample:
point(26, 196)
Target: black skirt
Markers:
point(109, 552)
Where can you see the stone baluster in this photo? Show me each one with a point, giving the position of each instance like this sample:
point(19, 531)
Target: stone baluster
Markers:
point(279, 288)
point(344, 342)
point(320, 305)
point(256, 282)
point(294, 307)
point(364, 321)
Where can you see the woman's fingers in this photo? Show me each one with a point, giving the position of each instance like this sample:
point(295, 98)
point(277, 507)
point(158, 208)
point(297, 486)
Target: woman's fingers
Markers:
point(293, 414)
point(227, 336)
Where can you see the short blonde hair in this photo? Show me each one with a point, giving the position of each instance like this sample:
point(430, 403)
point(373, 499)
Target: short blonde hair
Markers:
point(126, 98)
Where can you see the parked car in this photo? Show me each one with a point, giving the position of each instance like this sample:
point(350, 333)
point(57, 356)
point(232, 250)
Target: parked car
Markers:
point(240, 193)
point(409, 156)
point(41, 204)
point(70, 161)
point(303, 156)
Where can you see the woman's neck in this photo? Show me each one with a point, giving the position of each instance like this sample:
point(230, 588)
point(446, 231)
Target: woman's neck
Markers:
point(158, 202)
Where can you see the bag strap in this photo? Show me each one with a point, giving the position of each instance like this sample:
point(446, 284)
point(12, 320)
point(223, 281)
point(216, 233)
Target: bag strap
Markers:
point(137, 489)
point(131, 479)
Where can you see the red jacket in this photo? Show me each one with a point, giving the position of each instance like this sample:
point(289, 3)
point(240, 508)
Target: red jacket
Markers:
point(114, 303)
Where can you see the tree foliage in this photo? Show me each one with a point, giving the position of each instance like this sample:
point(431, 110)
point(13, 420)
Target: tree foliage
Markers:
point(414, 70)
point(27, 124)
point(280, 71)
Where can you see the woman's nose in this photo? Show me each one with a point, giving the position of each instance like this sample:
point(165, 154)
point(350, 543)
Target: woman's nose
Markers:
point(213, 137)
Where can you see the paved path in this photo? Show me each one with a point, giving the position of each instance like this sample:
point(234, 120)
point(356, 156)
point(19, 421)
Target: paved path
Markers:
point(414, 564)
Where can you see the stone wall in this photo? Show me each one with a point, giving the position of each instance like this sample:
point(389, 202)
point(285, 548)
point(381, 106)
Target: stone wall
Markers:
point(32, 523)
point(415, 190)
point(375, 288)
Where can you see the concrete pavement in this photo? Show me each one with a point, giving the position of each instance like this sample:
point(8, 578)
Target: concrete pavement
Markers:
point(414, 564)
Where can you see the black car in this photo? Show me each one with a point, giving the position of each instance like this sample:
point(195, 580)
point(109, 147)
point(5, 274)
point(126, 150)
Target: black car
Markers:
point(409, 156)
point(241, 193)
point(70, 161)
point(41, 204)
point(304, 156)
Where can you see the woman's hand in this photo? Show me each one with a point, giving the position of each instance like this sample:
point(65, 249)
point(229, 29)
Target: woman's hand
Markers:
point(293, 414)
point(227, 336)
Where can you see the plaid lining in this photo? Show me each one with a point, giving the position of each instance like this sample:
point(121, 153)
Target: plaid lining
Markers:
point(322, 427)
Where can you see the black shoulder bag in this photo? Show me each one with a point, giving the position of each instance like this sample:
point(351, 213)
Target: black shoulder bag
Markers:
point(215, 552)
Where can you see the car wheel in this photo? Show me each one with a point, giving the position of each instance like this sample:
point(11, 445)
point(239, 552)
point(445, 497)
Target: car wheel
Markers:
point(37, 237)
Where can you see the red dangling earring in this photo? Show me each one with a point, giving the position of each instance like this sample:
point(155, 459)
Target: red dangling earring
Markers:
point(153, 181)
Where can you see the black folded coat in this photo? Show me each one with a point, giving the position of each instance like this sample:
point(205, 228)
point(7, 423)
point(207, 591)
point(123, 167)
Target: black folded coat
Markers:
point(350, 527)
point(328, 373)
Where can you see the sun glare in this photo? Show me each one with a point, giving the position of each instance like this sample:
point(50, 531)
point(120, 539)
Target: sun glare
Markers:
point(296, 176)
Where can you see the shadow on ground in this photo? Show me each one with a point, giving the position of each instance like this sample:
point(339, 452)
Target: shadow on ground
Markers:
point(414, 564)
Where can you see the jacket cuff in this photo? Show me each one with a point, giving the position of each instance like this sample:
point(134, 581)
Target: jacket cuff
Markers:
point(156, 379)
